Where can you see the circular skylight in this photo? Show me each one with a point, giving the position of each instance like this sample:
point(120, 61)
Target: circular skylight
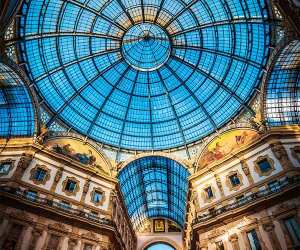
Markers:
point(144, 74)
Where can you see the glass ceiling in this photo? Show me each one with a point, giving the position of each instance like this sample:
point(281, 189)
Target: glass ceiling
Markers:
point(145, 74)
point(16, 109)
point(282, 104)
point(154, 187)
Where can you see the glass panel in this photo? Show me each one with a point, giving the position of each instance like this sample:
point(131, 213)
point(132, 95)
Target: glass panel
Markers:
point(161, 74)
point(282, 106)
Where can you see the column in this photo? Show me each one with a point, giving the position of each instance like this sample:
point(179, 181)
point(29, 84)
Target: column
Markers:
point(281, 154)
point(219, 185)
point(84, 192)
point(21, 167)
point(26, 240)
point(234, 240)
point(269, 228)
point(246, 171)
point(5, 227)
point(57, 178)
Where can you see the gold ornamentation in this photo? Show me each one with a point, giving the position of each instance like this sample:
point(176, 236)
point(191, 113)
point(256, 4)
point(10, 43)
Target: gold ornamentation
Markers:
point(46, 177)
point(159, 226)
point(228, 181)
point(100, 191)
point(68, 192)
point(258, 169)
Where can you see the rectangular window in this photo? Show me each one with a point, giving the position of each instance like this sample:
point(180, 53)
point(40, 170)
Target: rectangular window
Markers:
point(253, 240)
point(40, 174)
point(70, 186)
point(209, 192)
point(234, 179)
point(264, 165)
point(97, 197)
point(93, 215)
point(294, 230)
point(240, 199)
point(5, 167)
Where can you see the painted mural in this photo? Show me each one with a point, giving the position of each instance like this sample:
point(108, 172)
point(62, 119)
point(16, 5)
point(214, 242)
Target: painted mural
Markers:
point(78, 151)
point(226, 144)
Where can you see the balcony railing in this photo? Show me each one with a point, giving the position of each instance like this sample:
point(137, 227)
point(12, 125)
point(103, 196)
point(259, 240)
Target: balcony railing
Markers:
point(252, 198)
point(59, 206)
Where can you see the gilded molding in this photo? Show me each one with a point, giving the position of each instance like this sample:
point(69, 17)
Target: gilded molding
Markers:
point(46, 178)
point(64, 184)
point(228, 181)
point(258, 169)
point(99, 190)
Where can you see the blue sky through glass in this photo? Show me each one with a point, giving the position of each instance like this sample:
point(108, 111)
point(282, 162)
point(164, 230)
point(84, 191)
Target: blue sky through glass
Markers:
point(154, 77)
point(160, 246)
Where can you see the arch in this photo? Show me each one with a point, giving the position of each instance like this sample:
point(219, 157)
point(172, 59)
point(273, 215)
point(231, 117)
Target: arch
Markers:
point(164, 240)
point(281, 105)
point(18, 115)
point(145, 154)
point(153, 187)
point(80, 147)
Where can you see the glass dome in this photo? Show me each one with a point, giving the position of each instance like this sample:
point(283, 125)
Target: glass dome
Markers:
point(145, 74)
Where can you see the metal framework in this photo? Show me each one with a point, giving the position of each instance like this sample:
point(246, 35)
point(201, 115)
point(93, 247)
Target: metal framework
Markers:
point(145, 75)
point(282, 91)
point(154, 187)
point(17, 116)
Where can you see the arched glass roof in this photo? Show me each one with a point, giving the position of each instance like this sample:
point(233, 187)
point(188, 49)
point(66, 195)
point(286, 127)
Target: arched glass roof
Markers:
point(145, 74)
point(282, 100)
point(16, 108)
point(154, 187)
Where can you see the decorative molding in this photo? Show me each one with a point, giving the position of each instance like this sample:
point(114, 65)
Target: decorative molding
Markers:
point(101, 202)
point(258, 169)
point(228, 181)
point(46, 177)
point(11, 167)
point(64, 184)
point(296, 153)
point(246, 171)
